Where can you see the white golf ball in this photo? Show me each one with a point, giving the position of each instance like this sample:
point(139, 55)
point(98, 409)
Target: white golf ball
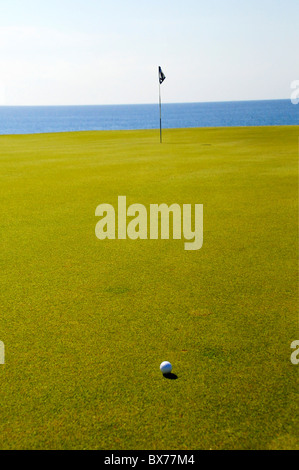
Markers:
point(165, 367)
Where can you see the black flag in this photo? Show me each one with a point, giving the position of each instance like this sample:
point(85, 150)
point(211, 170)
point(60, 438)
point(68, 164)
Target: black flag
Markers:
point(161, 76)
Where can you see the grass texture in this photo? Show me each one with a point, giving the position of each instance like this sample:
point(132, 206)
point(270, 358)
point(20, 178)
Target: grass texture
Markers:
point(86, 323)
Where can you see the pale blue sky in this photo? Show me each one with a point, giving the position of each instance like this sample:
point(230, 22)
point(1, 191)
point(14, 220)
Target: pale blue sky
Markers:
point(107, 52)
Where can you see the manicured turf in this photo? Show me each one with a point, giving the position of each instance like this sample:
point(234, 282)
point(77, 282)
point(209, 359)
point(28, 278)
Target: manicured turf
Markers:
point(86, 323)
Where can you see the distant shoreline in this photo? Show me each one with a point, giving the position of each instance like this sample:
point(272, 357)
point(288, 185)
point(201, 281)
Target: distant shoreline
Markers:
point(132, 131)
point(137, 104)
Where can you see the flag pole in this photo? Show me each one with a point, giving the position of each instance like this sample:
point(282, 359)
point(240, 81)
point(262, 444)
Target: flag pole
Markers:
point(160, 105)
point(161, 80)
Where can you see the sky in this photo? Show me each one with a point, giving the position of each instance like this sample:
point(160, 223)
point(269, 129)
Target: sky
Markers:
point(79, 52)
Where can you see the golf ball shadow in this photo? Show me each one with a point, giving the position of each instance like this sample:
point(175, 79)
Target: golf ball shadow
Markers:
point(170, 376)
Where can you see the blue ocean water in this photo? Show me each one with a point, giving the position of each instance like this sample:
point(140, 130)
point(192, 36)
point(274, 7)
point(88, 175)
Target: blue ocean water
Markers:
point(41, 119)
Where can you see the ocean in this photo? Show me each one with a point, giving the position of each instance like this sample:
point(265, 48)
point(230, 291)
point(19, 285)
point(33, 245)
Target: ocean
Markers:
point(44, 119)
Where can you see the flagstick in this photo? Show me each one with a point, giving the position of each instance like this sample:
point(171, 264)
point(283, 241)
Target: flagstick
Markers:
point(160, 112)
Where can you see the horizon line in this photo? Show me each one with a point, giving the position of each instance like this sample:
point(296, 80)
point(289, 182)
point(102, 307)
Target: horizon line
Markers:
point(140, 104)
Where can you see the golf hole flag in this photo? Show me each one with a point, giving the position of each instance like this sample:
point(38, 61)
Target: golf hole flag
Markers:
point(161, 76)
point(161, 80)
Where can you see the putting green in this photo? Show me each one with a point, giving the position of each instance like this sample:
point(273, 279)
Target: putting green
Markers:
point(86, 323)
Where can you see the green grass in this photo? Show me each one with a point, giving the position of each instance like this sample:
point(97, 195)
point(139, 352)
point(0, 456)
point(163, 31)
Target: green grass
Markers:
point(86, 323)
